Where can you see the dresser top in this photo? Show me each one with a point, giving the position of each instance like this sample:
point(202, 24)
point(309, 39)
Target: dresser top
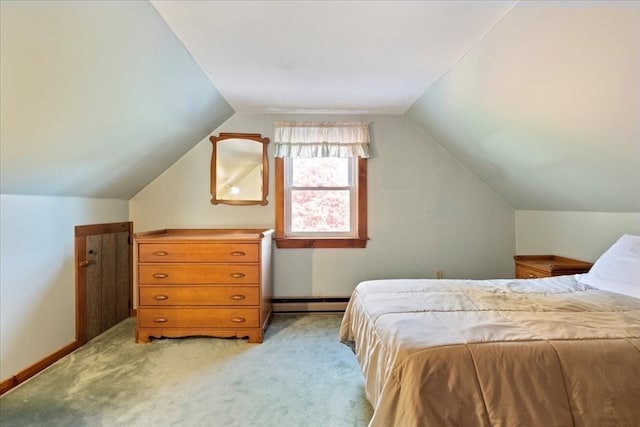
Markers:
point(202, 234)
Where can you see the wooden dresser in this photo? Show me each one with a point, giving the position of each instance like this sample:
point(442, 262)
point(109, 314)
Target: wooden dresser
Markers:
point(213, 282)
point(533, 266)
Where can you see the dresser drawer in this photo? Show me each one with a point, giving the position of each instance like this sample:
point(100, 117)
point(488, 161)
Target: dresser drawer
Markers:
point(199, 295)
point(166, 317)
point(527, 273)
point(198, 252)
point(198, 273)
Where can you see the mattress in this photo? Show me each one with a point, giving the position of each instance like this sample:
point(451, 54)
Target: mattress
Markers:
point(541, 352)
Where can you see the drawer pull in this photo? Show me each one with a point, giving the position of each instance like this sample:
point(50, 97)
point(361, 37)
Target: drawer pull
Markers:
point(238, 319)
point(531, 276)
point(238, 297)
point(160, 275)
point(237, 275)
point(160, 320)
point(161, 253)
point(160, 297)
point(238, 253)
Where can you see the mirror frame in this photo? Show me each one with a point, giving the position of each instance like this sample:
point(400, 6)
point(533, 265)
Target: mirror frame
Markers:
point(265, 167)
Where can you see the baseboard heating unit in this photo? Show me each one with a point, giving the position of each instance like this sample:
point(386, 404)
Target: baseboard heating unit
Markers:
point(310, 304)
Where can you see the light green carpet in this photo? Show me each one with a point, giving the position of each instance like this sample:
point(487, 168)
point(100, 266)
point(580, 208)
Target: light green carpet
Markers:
point(299, 376)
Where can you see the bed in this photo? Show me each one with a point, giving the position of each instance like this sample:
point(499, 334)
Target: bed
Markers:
point(557, 351)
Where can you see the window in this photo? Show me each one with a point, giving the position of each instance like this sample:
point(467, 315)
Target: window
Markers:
point(321, 188)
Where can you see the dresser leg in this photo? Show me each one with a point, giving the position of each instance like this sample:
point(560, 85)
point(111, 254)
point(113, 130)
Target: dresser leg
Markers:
point(142, 337)
point(255, 337)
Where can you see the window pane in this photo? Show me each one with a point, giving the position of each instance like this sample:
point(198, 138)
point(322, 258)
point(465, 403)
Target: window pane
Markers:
point(320, 211)
point(320, 172)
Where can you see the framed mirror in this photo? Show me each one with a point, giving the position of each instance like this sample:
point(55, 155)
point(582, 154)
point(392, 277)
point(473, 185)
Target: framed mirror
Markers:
point(239, 169)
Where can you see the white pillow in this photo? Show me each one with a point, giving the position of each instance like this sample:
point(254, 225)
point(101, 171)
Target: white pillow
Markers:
point(618, 269)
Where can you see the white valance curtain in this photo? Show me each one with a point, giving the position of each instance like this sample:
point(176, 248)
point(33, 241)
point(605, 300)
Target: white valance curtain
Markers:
point(321, 139)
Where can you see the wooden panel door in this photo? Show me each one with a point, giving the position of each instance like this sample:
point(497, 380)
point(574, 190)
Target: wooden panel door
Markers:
point(103, 277)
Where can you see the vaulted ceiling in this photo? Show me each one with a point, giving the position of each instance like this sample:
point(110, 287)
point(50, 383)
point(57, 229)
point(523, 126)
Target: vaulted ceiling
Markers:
point(539, 99)
point(546, 108)
point(97, 98)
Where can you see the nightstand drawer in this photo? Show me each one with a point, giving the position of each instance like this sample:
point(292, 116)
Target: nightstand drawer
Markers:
point(527, 273)
point(534, 266)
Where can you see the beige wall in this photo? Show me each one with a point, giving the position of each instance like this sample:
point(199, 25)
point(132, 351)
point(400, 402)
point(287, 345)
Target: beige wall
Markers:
point(581, 235)
point(426, 212)
point(37, 275)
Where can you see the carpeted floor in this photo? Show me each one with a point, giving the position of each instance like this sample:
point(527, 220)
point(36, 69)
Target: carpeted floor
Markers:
point(299, 376)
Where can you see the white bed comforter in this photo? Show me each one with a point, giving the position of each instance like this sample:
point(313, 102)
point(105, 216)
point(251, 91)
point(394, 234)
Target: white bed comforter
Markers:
point(541, 352)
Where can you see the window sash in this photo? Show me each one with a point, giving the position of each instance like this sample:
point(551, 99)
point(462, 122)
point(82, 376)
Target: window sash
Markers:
point(353, 203)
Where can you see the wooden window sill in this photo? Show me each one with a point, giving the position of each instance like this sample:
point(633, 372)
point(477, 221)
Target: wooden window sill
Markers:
point(301, 243)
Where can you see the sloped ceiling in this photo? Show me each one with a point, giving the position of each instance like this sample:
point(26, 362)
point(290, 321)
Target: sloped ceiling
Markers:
point(546, 108)
point(97, 98)
point(540, 99)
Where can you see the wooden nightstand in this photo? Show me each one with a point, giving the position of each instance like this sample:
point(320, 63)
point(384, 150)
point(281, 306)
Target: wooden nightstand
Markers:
point(533, 266)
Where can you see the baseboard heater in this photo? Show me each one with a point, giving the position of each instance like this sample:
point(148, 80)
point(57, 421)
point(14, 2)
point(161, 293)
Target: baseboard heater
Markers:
point(310, 304)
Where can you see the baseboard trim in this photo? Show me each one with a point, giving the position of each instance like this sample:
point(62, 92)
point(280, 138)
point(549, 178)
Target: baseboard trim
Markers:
point(310, 304)
point(27, 373)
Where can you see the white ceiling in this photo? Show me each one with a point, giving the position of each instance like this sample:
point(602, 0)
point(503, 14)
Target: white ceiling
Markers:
point(365, 57)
